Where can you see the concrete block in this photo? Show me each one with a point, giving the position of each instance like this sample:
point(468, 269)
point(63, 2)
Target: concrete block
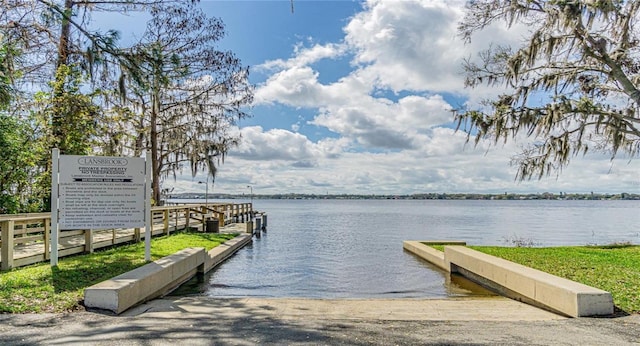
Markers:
point(556, 293)
point(143, 283)
point(428, 253)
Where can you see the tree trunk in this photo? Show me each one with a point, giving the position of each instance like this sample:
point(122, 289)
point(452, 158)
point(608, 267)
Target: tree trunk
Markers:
point(155, 110)
point(63, 57)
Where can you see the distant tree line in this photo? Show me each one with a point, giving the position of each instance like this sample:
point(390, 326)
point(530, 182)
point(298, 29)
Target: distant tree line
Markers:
point(422, 196)
point(65, 84)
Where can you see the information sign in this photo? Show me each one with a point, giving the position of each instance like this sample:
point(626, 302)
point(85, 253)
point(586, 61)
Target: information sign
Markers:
point(101, 192)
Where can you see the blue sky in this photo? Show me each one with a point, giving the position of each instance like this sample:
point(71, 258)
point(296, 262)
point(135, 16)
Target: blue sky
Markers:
point(355, 97)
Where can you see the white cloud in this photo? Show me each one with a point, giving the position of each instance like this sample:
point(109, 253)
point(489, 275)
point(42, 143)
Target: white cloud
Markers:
point(442, 164)
point(411, 45)
point(392, 121)
point(297, 86)
point(276, 144)
point(306, 56)
point(379, 123)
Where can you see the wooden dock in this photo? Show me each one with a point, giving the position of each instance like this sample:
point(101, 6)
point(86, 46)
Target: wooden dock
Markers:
point(26, 238)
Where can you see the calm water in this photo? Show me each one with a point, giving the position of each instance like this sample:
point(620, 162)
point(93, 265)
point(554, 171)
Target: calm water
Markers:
point(353, 248)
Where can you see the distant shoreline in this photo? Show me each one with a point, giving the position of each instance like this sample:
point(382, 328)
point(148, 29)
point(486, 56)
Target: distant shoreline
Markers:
point(426, 196)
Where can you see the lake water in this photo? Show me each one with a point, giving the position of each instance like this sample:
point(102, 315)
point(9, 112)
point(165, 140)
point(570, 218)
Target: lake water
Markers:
point(353, 248)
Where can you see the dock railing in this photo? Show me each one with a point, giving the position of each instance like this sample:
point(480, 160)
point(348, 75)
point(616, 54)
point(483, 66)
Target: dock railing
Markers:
point(26, 238)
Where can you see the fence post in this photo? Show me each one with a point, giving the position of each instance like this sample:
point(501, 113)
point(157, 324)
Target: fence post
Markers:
point(6, 234)
point(47, 238)
point(88, 241)
point(165, 220)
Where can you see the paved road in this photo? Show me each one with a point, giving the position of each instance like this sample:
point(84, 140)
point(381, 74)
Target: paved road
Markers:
point(255, 321)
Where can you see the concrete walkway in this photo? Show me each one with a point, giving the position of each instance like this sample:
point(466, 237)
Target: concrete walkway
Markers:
point(257, 321)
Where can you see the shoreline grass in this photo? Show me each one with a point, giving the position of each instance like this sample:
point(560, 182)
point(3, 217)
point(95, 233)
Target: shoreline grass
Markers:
point(613, 268)
point(41, 288)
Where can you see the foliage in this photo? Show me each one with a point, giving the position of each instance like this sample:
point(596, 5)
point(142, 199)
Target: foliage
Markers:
point(615, 269)
point(7, 56)
point(68, 113)
point(190, 95)
point(52, 33)
point(174, 93)
point(572, 86)
point(46, 45)
point(17, 150)
point(42, 288)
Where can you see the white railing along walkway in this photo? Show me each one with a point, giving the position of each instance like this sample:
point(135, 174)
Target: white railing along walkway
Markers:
point(26, 238)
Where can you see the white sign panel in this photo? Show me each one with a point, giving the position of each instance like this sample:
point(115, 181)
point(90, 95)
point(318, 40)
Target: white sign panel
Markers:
point(101, 192)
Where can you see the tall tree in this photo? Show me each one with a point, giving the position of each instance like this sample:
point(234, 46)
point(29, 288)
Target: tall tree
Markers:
point(62, 65)
point(6, 72)
point(55, 37)
point(190, 95)
point(573, 85)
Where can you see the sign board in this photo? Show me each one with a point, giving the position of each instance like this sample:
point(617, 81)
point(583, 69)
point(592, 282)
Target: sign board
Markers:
point(101, 192)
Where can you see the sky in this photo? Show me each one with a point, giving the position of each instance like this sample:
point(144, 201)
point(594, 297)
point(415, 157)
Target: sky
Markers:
point(355, 97)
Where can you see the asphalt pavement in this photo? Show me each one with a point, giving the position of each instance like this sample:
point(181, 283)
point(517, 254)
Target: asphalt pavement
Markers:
point(260, 321)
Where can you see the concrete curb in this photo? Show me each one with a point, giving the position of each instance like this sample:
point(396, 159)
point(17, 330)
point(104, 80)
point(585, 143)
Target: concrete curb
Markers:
point(218, 254)
point(517, 281)
point(158, 277)
point(428, 253)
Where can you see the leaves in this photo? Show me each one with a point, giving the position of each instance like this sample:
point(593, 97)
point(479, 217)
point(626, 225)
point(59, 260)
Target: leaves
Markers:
point(174, 93)
point(581, 61)
point(18, 152)
point(189, 93)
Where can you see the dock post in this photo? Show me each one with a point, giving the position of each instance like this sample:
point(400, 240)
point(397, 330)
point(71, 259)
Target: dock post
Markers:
point(258, 224)
point(256, 230)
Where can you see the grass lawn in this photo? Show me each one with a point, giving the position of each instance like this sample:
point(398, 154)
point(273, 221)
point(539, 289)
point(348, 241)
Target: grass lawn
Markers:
point(42, 288)
point(613, 268)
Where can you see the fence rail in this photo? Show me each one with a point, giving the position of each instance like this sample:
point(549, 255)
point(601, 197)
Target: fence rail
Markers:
point(26, 238)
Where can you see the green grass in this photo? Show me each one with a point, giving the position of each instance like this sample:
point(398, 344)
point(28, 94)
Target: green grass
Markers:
point(613, 268)
point(437, 247)
point(42, 288)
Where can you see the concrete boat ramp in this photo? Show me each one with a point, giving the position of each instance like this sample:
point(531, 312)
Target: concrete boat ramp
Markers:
point(456, 309)
point(491, 320)
point(258, 321)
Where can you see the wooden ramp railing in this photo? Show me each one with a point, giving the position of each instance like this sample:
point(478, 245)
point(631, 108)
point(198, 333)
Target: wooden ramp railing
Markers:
point(26, 238)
